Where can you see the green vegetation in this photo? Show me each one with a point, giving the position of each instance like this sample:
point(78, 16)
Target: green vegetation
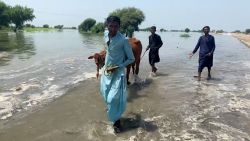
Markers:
point(236, 31)
point(4, 14)
point(187, 30)
point(145, 29)
point(46, 26)
point(16, 15)
point(219, 31)
point(131, 18)
point(58, 26)
point(247, 31)
point(185, 35)
point(38, 29)
point(98, 28)
point(163, 30)
point(87, 24)
point(29, 26)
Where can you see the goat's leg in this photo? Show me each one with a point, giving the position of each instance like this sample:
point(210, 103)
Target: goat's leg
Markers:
point(137, 66)
point(128, 72)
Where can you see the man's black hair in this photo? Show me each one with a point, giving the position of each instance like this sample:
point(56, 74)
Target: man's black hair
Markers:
point(113, 19)
point(153, 27)
point(206, 27)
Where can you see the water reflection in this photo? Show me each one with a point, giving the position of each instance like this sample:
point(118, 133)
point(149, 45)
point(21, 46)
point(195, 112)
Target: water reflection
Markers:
point(19, 44)
point(92, 40)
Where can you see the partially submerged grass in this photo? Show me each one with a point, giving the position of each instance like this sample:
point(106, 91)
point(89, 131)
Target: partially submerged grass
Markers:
point(185, 35)
point(38, 29)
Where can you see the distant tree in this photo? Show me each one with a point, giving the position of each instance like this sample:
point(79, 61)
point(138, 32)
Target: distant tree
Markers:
point(46, 26)
point(98, 28)
point(187, 30)
point(87, 24)
point(19, 15)
point(4, 18)
point(163, 30)
point(131, 18)
point(73, 28)
point(145, 29)
point(58, 26)
point(220, 31)
point(27, 25)
point(247, 31)
point(237, 31)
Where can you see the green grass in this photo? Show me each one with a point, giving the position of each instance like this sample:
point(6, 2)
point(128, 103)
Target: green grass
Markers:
point(39, 29)
point(29, 29)
point(185, 35)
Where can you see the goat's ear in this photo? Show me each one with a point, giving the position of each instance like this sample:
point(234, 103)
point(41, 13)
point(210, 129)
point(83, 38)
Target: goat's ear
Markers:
point(91, 57)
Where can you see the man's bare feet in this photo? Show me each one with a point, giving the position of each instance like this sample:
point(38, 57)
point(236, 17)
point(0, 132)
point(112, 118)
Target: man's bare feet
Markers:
point(199, 78)
point(209, 77)
point(155, 69)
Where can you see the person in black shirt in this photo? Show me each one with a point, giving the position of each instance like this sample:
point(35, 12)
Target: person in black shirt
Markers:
point(155, 43)
point(206, 43)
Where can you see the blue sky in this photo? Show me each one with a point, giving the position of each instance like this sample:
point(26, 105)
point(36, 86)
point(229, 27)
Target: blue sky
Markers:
point(169, 14)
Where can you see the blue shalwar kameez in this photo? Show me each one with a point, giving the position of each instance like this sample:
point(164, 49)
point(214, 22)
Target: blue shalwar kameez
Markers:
point(113, 86)
point(206, 45)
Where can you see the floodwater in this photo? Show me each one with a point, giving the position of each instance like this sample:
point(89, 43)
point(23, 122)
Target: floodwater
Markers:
point(48, 91)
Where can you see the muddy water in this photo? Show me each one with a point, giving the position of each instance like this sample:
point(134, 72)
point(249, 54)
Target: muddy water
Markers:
point(169, 106)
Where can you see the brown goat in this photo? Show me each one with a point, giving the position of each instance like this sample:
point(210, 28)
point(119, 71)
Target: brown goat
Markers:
point(137, 49)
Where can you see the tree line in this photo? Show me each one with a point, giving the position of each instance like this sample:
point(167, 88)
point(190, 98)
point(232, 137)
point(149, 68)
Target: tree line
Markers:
point(130, 17)
point(16, 15)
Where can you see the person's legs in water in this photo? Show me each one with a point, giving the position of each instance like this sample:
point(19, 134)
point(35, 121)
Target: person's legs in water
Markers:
point(209, 73)
point(153, 68)
point(117, 126)
point(199, 73)
point(199, 76)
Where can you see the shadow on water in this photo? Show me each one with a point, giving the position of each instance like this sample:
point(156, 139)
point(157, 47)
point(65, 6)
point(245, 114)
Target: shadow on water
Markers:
point(159, 74)
point(16, 44)
point(134, 88)
point(134, 121)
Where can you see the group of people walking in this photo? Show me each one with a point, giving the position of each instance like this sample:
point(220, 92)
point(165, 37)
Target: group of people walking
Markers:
point(119, 54)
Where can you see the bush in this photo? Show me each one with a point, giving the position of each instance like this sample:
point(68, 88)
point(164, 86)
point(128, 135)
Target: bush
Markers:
point(98, 28)
point(58, 26)
point(187, 30)
point(46, 26)
point(220, 31)
point(237, 31)
point(185, 35)
point(87, 24)
point(247, 31)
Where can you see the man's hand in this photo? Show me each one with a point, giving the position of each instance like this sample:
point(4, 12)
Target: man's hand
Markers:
point(191, 55)
point(112, 69)
point(209, 54)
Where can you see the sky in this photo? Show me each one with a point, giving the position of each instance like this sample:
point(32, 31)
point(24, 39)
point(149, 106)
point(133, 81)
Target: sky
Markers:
point(229, 15)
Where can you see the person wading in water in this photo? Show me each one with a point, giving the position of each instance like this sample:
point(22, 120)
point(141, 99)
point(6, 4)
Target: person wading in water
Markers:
point(113, 86)
point(155, 43)
point(206, 43)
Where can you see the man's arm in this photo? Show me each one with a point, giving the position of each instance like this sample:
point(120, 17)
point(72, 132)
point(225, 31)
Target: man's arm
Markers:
point(195, 49)
point(197, 46)
point(213, 43)
point(160, 43)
